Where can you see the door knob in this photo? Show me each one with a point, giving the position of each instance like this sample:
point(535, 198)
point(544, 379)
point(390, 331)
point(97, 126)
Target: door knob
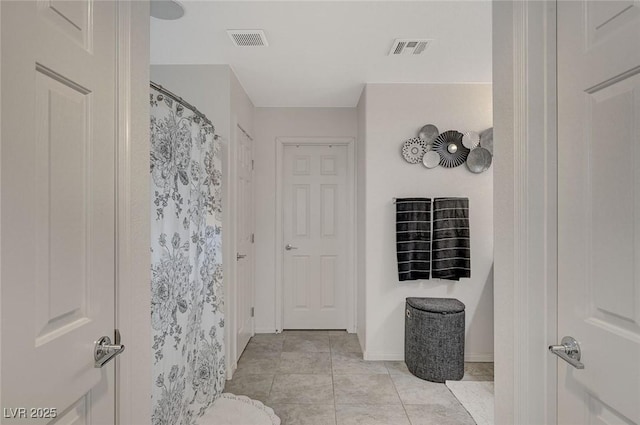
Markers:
point(569, 351)
point(289, 247)
point(104, 351)
point(240, 256)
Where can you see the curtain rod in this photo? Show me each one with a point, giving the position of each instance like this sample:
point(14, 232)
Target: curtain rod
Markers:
point(184, 103)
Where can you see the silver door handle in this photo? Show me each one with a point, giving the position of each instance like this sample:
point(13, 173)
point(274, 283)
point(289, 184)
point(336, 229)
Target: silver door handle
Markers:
point(289, 247)
point(569, 351)
point(104, 351)
point(240, 256)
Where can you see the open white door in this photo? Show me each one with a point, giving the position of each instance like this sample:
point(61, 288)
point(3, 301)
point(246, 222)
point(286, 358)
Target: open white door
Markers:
point(599, 209)
point(58, 209)
point(244, 234)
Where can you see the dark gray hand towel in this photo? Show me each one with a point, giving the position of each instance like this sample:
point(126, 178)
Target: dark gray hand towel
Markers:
point(413, 238)
point(451, 255)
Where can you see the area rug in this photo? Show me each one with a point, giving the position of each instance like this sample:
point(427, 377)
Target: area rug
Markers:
point(232, 409)
point(476, 397)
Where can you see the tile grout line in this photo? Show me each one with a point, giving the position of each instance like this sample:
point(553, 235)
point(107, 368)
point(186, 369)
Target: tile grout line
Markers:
point(333, 384)
point(460, 403)
point(398, 394)
point(276, 372)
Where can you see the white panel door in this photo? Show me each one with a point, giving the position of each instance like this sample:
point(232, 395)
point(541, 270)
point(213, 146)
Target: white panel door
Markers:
point(58, 209)
point(599, 209)
point(315, 217)
point(244, 234)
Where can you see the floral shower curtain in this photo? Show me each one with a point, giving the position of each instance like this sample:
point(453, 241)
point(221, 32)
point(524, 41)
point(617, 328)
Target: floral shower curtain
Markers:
point(186, 301)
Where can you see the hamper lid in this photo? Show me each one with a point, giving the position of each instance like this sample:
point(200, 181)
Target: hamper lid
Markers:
point(436, 305)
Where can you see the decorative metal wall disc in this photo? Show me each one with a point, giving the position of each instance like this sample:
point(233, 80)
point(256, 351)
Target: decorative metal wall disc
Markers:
point(450, 148)
point(471, 139)
point(431, 159)
point(479, 160)
point(428, 133)
point(413, 150)
point(486, 140)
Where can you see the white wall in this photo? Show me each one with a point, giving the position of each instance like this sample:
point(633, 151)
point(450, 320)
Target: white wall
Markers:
point(270, 123)
point(394, 113)
point(503, 68)
point(361, 220)
point(242, 109)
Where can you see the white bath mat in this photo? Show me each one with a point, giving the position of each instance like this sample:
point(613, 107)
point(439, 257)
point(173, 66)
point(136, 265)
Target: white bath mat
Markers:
point(476, 397)
point(232, 409)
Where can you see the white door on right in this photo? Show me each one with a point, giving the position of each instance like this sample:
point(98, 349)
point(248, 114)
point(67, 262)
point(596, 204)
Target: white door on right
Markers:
point(599, 209)
point(315, 218)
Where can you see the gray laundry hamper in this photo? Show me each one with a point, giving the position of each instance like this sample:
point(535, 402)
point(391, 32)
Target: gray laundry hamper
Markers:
point(434, 338)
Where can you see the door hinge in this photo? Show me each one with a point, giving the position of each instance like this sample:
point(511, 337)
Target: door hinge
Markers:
point(253, 311)
point(253, 238)
point(252, 164)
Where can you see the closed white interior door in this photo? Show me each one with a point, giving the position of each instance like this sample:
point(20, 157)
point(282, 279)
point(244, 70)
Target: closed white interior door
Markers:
point(599, 209)
point(245, 230)
point(315, 212)
point(58, 209)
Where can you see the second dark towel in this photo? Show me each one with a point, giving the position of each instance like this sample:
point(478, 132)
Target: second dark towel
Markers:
point(451, 246)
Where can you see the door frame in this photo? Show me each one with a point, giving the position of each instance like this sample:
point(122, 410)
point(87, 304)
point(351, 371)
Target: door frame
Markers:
point(349, 142)
point(133, 225)
point(525, 211)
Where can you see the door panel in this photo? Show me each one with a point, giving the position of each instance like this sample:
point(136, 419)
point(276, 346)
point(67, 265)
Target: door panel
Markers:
point(62, 223)
point(73, 18)
point(58, 207)
point(599, 209)
point(315, 213)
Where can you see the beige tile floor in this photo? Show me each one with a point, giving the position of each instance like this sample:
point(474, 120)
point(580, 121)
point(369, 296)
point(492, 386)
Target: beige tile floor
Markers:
point(320, 378)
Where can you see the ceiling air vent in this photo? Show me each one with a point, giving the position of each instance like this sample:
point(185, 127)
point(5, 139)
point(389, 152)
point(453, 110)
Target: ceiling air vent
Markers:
point(251, 38)
point(409, 46)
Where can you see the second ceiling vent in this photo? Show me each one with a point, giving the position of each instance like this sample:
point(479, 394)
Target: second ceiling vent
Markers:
point(248, 38)
point(409, 46)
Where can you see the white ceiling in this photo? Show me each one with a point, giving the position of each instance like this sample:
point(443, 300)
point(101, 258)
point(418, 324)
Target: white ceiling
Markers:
point(321, 53)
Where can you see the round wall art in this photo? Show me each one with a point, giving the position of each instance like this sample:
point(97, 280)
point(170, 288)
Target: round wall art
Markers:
point(413, 150)
point(431, 159)
point(450, 148)
point(479, 160)
point(471, 139)
point(428, 133)
point(486, 140)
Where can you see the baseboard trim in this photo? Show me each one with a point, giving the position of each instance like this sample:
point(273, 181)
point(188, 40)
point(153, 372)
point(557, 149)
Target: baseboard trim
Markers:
point(265, 330)
point(468, 357)
point(478, 357)
point(367, 355)
point(232, 370)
